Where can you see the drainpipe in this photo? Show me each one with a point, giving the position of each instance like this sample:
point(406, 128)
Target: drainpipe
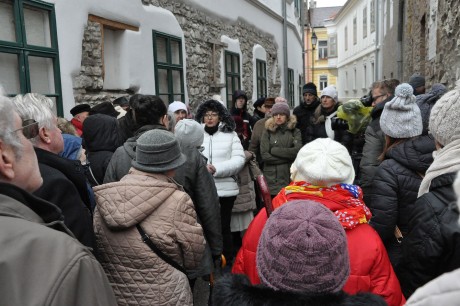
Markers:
point(302, 29)
point(377, 39)
point(285, 56)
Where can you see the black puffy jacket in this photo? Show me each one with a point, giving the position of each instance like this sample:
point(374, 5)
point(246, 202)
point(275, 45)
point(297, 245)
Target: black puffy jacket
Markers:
point(432, 246)
point(305, 117)
point(395, 187)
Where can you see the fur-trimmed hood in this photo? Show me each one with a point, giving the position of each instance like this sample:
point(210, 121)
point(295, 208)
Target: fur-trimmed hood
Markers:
point(227, 123)
point(236, 290)
point(271, 126)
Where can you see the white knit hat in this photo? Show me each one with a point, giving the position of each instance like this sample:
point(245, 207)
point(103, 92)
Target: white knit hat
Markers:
point(177, 105)
point(189, 132)
point(445, 117)
point(323, 162)
point(401, 117)
point(330, 91)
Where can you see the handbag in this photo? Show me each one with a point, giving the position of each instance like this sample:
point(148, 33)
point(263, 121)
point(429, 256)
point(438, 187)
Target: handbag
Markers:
point(253, 165)
point(154, 248)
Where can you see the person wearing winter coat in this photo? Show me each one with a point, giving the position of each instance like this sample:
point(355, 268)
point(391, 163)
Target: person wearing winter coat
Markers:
point(64, 181)
point(444, 290)
point(101, 139)
point(426, 102)
point(432, 246)
point(128, 125)
point(305, 112)
point(225, 157)
point(149, 199)
point(240, 109)
point(323, 116)
point(407, 156)
point(279, 145)
point(374, 139)
point(150, 112)
point(323, 172)
point(302, 259)
point(259, 128)
point(41, 262)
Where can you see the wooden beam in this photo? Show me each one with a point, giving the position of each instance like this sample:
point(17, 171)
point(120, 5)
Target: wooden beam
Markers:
point(112, 25)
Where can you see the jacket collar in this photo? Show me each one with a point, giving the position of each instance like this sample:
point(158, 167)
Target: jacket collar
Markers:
point(33, 208)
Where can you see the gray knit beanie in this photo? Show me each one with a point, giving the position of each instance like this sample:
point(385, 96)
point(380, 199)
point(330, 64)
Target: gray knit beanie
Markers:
point(281, 108)
point(189, 132)
point(401, 117)
point(417, 80)
point(157, 151)
point(303, 248)
point(445, 117)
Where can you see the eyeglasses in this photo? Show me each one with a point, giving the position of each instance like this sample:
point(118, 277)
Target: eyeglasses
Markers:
point(211, 115)
point(376, 97)
point(29, 128)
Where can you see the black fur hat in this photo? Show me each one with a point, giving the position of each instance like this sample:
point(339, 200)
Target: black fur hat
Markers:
point(228, 124)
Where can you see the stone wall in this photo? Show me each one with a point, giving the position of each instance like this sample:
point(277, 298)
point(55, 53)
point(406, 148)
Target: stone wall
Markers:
point(200, 29)
point(445, 66)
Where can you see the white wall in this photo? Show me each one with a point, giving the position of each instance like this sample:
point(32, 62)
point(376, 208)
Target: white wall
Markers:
point(352, 61)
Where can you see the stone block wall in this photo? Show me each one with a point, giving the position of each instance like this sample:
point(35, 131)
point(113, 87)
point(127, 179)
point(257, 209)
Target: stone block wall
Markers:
point(200, 28)
point(445, 66)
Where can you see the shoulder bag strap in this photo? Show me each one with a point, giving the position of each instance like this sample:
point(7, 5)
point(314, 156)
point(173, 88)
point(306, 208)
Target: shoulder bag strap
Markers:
point(166, 258)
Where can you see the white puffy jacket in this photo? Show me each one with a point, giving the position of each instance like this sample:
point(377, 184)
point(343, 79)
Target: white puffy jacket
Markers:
point(225, 152)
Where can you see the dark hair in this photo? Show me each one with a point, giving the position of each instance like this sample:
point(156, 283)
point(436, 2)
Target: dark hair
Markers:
point(386, 86)
point(148, 109)
point(390, 142)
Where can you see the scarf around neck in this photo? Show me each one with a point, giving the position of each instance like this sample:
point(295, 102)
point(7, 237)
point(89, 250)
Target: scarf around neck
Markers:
point(344, 200)
point(446, 160)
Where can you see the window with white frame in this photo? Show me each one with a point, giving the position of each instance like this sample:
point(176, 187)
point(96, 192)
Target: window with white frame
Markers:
point(372, 15)
point(355, 30)
point(365, 22)
point(322, 81)
point(332, 47)
point(322, 49)
point(346, 37)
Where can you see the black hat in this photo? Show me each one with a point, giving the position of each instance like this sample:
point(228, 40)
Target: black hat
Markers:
point(122, 101)
point(80, 108)
point(310, 88)
point(105, 108)
point(259, 102)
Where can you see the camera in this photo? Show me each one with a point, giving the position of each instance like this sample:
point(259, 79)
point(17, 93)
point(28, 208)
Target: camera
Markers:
point(367, 99)
point(339, 124)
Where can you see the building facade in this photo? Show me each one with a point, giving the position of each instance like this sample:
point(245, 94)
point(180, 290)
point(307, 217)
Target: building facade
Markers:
point(93, 51)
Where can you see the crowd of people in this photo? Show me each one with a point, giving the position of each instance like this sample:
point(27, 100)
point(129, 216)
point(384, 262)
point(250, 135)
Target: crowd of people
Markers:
point(130, 202)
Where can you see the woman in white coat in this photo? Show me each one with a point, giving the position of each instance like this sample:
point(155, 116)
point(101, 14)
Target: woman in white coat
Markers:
point(225, 155)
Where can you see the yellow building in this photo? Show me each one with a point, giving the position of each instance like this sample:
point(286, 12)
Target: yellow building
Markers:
point(320, 59)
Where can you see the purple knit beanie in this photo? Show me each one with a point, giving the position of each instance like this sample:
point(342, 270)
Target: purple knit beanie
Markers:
point(303, 249)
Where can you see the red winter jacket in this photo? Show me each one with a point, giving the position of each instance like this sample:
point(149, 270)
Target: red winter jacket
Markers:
point(371, 270)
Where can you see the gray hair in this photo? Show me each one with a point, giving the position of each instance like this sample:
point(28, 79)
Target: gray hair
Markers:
point(7, 134)
point(38, 107)
point(172, 121)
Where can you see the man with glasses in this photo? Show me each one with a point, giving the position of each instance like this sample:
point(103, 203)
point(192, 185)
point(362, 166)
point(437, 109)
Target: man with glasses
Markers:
point(64, 182)
point(41, 262)
point(382, 92)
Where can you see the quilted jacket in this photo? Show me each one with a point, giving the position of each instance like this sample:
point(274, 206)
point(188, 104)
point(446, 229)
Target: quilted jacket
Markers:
point(225, 152)
point(395, 187)
point(278, 147)
point(138, 276)
point(371, 270)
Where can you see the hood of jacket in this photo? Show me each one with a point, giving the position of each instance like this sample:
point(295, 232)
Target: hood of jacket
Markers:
point(130, 143)
point(415, 153)
point(126, 203)
point(290, 124)
point(100, 133)
point(232, 290)
point(227, 122)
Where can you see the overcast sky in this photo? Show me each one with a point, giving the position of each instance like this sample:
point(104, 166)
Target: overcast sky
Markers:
point(326, 3)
